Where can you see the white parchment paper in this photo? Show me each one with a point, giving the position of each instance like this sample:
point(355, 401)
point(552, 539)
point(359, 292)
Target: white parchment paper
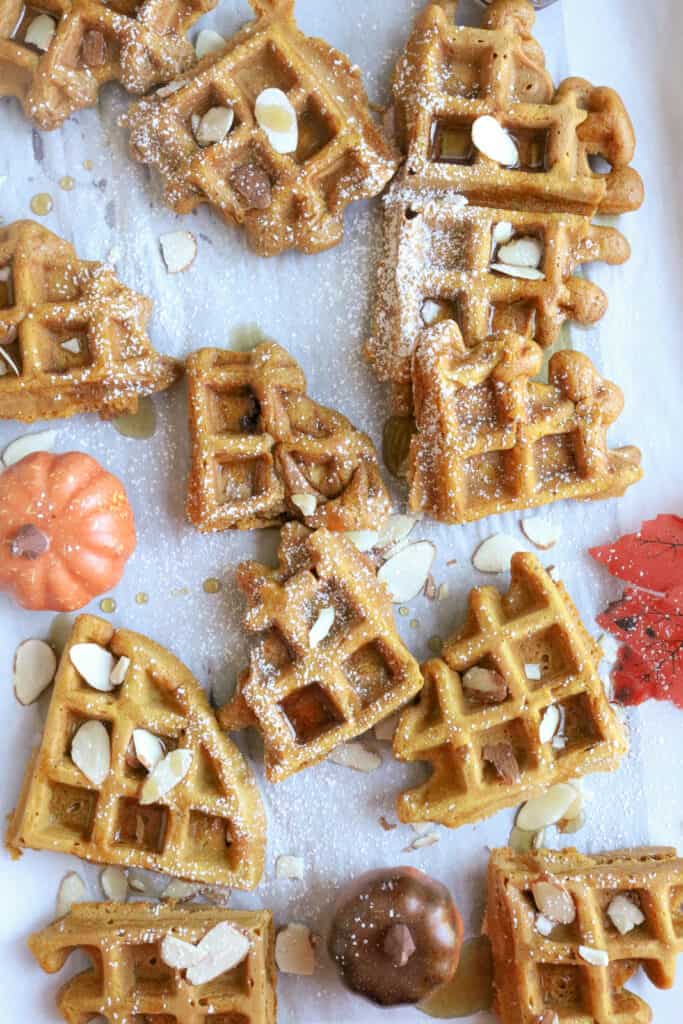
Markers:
point(318, 308)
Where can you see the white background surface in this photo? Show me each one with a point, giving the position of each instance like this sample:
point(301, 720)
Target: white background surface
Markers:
point(317, 307)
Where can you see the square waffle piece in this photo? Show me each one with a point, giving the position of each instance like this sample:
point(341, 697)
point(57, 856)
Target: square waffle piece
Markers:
point(56, 54)
point(263, 452)
point(72, 337)
point(490, 439)
point(478, 721)
point(284, 200)
point(574, 144)
point(327, 663)
point(208, 827)
point(625, 911)
point(128, 980)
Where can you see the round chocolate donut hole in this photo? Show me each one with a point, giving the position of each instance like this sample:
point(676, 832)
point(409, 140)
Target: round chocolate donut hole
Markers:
point(396, 936)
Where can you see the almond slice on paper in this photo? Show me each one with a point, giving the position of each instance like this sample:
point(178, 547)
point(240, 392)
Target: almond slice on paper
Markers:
point(523, 842)
point(35, 664)
point(406, 572)
point(493, 141)
point(221, 949)
point(114, 882)
point(395, 529)
point(625, 914)
point(167, 774)
point(91, 751)
point(355, 755)
point(42, 441)
point(94, 663)
point(149, 749)
point(553, 901)
point(179, 250)
point(276, 116)
point(364, 540)
point(181, 891)
point(117, 675)
point(495, 553)
point(71, 890)
point(525, 251)
point(384, 730)
point(526, 273)
point(306, 503)
point(547, 809)
point(289, 867)
point(141, 882)
point(594, 957)
point(177, 953)
point(541, 532)
point(294, 950)
point(214, 125)
point(485, 685)
point(208, 41)
point(40, 32)
point(321, 627)
point(504, 760)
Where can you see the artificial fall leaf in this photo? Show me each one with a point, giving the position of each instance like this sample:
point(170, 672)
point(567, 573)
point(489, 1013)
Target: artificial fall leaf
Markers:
point(652, 557)
point(634, 682)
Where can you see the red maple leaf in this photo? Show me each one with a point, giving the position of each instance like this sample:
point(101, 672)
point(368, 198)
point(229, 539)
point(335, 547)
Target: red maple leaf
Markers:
point(634, 681)
point(652, 557)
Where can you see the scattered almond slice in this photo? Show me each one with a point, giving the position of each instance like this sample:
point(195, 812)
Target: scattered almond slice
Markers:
point(569, 827)
point(42, 441)
point(495, 553)
point(421, 826)
point(35, 664)
point(40, 32)
point(117, 675)
point(276, 116)
point(177, 953)
point(167, 774)
point(94, 663)
point(289, 867)
point(169, 89)
point(294, 950)
point(503, 232)
point(525, 251)
point(7, 361)
point(544, 926)
point(208, 41)
point(432, 312)
point(179, 250)
point(114, 882)
point(503, 759)
point(576, 806)
point(625, 914)
point(181, 891)
point(384, 730)
point(306, 503)
point(406, 572)
point(321, 627)
point(547, 809)
point(550, 723)
point(149, 749)
point(216, 894)
point(91, 751)
point(526, 273)
point(71, 890)
point(72, 345)
point(140, 881)
point(485, 685)
point(594, 957)
point(493, 141)
point(423, 841)
point(553, 901)
point(364, 540)
point(395, 529)
point(355, 755)
point(221, 949)
point(523, 842)
point(532, 671)
point(214, 126)
point(541, 532)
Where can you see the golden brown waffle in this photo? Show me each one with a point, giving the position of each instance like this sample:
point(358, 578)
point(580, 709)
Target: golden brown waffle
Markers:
point(128, 980)
point(209, 828)
point(490, 439)
point(258, 440)
point(451, 75)
point(341, 156)
point(533, 624)
point(136, 44)
point(49, 297)
point(439, 264)
point(305, 699)
point(537, 977)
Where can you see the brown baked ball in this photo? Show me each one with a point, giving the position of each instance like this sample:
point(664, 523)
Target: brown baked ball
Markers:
point(396, 936)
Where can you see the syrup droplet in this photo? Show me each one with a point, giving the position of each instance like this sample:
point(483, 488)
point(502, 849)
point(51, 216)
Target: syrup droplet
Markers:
point(140, 425)
point(471, 990)
point(66, 183)
point(108, 605)
point(180, 592)
point(142, 598)
point(41, 204)
point(87, 165)
point(211, 585)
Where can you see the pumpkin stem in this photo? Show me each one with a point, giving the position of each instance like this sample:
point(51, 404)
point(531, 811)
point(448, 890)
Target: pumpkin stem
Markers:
point(29, 542)
point(399, 944)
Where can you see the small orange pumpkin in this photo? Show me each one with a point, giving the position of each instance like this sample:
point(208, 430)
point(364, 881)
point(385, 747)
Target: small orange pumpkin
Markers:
point(66, 531)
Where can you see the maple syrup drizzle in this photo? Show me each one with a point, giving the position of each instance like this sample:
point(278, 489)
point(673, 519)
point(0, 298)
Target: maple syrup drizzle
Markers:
point(139, 425)
point(471, 990)
point(42, 204)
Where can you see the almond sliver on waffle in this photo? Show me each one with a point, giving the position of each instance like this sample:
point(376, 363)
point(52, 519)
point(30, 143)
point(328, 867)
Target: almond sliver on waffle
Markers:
point(531, 639)
point(490, 439)
point(574, 144)
point(558, 976)
point(308, 690)
point(262, 449)
point(128, 980)
point(209, 827)
point(284, 200)
point(85, 43)
point(72, 338)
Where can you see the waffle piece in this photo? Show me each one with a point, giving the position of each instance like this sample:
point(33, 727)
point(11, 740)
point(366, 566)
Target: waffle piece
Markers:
point(294, 200)
point(575, 144)
point(440, 261)
point(129, 982)
point(534, 628)
point(72, 337)
point(539, 979)
point(258, 441)
point(136, 44)
point(209, 828)
point(306, 698)
point(490, 439)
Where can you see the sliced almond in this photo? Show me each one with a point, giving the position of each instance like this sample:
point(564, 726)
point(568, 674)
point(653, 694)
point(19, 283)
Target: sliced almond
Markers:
point(41, 32)
point(42, 441)
point(208, 41)
point(117, 676)
point(384, 730)
point(502, 232)
point(364, 540)
point(142, 882)
point(570, 826)
point(179, 250)
point(433, 312)
point(169, 89)
point(504, 760)
point(72, 345)
point(533, 671)
point(214, 126)
point(485, 685)
point(149, 749)
point(525, 251)
point(306, 503)
point(406, 572)
point(395, 529)
point(553, 901)
point(544, 926)
point(625, 914)
point(181, 891)
point(177, 953)
point(549, 724)
point(423, 841)
point(421, 827)
point(523, 842)
point(493, 141)
point(321, 627)
point(221, 949)
point(94, 663)
point(167, 774)
point(91, 751)
point(541, 532)
point(35, 664)
point(71, 890)
point(495, 553)
point(5, 272)
point(547, 809)
point(289, 867)
point(6, 361)
point(594, 957)
point(276, 116)
point(526, 273)
point(114, 882)
point(294, 950)
point(355, 755)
